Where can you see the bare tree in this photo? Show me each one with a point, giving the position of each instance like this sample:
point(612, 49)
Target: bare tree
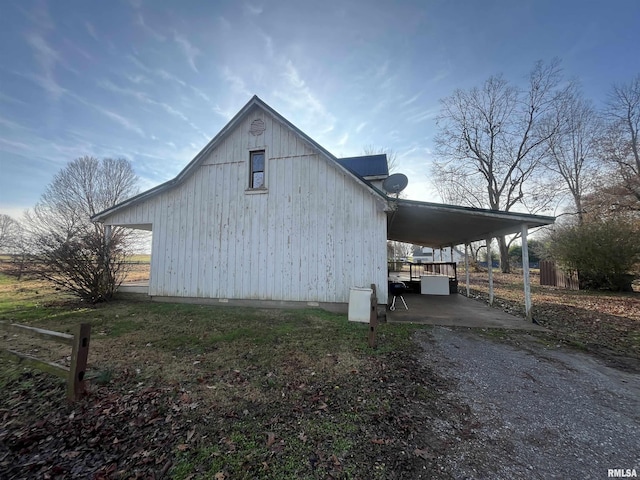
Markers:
point(392, 157)
point(492, 139)
point(9, 232)
point(572, 149)
point(70, 251)
point(620, 145)
point(398, 250)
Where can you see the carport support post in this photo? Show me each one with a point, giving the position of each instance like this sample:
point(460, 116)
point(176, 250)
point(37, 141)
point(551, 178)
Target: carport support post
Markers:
point(466, 265)
point(490, 270)
point(525, 274)
point(107, 250)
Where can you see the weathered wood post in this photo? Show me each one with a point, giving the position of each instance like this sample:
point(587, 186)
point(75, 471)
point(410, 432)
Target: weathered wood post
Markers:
point(373, 317)
point(79, 356)
point(75, 375)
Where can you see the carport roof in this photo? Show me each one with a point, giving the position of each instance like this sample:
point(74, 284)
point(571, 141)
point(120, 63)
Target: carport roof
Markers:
point(439, 225)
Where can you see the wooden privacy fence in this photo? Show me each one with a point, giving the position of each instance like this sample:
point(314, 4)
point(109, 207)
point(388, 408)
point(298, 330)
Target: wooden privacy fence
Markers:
point(79, 343)
point(552, 275)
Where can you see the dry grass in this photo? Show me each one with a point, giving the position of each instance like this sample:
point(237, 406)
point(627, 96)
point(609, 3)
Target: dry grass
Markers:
point(306, 376)
point(606, 323)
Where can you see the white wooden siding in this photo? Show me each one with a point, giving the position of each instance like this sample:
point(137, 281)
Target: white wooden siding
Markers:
point(314, 234)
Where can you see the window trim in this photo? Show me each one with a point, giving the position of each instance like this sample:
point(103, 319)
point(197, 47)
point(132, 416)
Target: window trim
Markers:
point(252, 172)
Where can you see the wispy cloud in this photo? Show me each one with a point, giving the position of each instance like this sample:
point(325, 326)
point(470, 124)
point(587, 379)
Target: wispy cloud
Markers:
point(224, 23)
point(137, 79)
point(235, 81)
point(360, 127)
point(379, 105)
point(296, 92)
point(343, 140)
point(124, 122)
point(164, 75)
point(47, 58)
point(380, 71)
point(423, 115)
point(11, 124)
point(21, 147)
point(116, 117)
point(8, 99)
point(92, 31)
point(108, 85)
point(47, 83)
point(439, 76)
point(411, 100)
point(224, 113)
point(299, 96)
point(40, 16)
point(72, 46)
point(306, 98)
point(251, 9)
point(144, 97)
point(188, 49)
point(151, 31)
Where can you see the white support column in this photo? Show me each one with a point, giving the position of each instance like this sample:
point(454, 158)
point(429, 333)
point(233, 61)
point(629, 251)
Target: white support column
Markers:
point(490, 270)
point(107, 234)
point(466, 266)
point(451, 253)
point(525, 274)
point(107, 240)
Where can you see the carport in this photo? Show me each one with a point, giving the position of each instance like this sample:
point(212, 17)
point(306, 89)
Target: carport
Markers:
point(439, 226)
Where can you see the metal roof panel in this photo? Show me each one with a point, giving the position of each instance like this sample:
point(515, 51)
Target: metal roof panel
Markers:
point(367, 165)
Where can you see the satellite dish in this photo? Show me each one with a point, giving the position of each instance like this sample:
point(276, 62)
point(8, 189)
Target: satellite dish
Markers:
point(395, 183)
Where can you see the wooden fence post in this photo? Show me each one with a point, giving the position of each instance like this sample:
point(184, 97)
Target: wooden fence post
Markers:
point(79, 356)
point(373, 317)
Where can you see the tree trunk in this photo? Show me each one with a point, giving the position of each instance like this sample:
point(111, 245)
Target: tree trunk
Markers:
point(504, 255)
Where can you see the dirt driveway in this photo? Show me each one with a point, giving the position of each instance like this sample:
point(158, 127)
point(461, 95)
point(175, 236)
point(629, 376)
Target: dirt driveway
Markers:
point(538, 411)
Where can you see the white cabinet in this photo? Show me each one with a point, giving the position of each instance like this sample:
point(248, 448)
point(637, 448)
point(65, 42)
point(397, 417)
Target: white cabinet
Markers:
point(434, 284)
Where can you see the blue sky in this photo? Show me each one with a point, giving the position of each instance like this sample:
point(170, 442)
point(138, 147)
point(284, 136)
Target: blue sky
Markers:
point(154, 81)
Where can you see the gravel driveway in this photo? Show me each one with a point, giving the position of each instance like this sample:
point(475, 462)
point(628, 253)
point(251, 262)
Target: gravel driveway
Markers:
point(537, 412)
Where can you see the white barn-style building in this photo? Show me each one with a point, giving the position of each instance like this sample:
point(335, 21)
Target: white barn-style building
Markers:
point(261, 213)
point(265, 214)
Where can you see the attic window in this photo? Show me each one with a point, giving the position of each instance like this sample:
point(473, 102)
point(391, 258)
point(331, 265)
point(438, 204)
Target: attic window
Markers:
point(257, 169)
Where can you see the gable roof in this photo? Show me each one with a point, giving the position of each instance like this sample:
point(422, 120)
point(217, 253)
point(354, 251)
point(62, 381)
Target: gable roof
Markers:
point(226, 130)
point(367, 166)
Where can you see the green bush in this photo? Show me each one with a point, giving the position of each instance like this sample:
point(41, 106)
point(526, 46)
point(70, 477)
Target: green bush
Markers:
point(535, 248)
point(602, 252)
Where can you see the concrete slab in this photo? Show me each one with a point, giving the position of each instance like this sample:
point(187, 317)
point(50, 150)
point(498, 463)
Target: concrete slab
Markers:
point(141, 286)
point(455, 311)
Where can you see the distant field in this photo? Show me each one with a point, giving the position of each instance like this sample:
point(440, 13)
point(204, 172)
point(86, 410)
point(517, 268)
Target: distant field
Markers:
point(140, 258)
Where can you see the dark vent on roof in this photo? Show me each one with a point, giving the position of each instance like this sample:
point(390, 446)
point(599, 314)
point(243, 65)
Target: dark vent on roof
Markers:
point(367, 166)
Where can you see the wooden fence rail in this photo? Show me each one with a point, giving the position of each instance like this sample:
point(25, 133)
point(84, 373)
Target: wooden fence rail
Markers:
point(552, 275)
point(79, 342)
